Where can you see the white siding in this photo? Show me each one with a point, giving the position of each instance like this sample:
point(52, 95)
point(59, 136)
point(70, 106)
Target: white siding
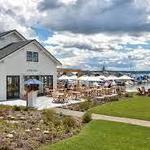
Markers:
point(16, 64)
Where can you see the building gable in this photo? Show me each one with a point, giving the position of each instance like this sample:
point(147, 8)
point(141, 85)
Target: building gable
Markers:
point(9, 37)
point(17, 62)
point(46, 52)
point(13, 48)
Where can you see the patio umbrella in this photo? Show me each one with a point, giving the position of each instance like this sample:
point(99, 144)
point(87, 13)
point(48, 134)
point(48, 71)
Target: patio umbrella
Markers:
point(102, 77)
point(74, 77)
point(33, 82)
point(125, 77)
point(95, 84)
point(63, 77)
point(94, 79)
point(111, 77)
point(84, 78)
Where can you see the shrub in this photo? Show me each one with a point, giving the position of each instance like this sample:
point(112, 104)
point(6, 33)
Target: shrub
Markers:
point(16, 108)
point(25, 108)
point(116, 98)
point(130, 95)
point(88, 99)
point(69, 122)
point(48, 115)
point(5, 107)
point(85, 105)
point(57, 121)
point(86, 117)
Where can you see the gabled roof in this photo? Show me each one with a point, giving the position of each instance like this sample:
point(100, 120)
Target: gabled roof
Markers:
point(5, 33)
point(12, 31)
point(48, 53)
point(11, 48)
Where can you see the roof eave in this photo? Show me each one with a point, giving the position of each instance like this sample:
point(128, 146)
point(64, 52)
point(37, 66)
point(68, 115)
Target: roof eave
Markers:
point(55, 60)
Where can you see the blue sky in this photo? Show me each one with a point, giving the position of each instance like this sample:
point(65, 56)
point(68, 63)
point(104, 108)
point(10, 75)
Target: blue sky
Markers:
point(114, 32)
point(41, 32)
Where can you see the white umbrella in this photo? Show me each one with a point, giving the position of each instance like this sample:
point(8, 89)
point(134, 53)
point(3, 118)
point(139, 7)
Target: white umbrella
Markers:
point(74, 77)
point(95, 84)
point(94, 79)
point(102, 77)
point(111, 77)
point(125, 77)
point(63, 77)
point(84, 78)
point(89, 78)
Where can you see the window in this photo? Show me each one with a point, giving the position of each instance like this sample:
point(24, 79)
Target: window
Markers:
point(32, 56)
point(29, 56)
point(35, 57)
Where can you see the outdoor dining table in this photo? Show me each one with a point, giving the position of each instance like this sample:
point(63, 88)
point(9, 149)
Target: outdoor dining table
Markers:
point(88, 92)
point(61, 90)
point(60, 94)
point(76, 94)
point(61, 97)
point(106, 91)
point(99, 91)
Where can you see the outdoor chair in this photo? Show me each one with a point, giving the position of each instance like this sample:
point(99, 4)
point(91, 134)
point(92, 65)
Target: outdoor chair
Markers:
point(140, 93)
point(148, 92)
point(99, 99)
point(76, 95)
point(55, 97)
point(48, 92)
point(64, 98)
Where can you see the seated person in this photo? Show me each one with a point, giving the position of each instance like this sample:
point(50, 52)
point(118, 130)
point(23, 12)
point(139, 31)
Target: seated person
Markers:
point(69, 87)
point(66, 86)
point(75, 88)
point(139, 91)
point(143, 90)
point(148, 92)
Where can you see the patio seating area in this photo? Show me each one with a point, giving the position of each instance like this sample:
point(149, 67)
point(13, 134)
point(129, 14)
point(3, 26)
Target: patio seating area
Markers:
point(63, 95)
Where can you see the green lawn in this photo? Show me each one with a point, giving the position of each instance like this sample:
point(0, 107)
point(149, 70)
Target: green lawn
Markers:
point(103, 135)
point(137, 107)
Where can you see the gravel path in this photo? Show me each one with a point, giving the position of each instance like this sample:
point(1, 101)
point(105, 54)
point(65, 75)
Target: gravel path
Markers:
point(104, 117)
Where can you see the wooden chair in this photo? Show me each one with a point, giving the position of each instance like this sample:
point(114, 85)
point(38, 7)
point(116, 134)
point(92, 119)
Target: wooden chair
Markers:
point(55, 97)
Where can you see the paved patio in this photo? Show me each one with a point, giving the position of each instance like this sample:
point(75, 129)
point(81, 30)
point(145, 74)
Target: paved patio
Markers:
point(41, 103)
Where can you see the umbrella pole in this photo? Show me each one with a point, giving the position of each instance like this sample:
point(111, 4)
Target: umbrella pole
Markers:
point(78, 84)
point(27, 102)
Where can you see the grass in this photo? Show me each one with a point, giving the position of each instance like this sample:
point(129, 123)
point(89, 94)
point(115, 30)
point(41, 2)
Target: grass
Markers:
point(137, 107)
point(103, 135)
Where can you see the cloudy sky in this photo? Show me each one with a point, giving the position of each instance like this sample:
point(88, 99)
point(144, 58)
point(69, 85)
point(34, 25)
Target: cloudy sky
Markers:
point(85, 34)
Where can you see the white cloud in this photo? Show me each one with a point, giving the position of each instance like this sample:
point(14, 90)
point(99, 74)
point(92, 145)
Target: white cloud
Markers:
point(20, 15)
point(96, 16)
point(86, 51)
point(95, 50)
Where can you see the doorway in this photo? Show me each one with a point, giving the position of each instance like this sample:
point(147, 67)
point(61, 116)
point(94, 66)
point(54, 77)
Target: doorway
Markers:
point(13, 87)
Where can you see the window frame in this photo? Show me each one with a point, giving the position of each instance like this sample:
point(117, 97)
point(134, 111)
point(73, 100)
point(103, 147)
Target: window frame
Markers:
point(35, 57)
point(29, 56)
point(32, 56)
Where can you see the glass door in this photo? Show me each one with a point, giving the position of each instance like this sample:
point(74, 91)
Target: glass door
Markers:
point(47, 81)
point(13, 87)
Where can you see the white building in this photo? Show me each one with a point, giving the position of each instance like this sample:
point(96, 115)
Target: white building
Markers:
point(22, 59)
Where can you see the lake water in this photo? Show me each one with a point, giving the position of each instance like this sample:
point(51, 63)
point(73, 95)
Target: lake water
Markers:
point(134, 87)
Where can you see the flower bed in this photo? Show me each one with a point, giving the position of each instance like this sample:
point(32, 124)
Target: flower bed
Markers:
point(27, 129)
